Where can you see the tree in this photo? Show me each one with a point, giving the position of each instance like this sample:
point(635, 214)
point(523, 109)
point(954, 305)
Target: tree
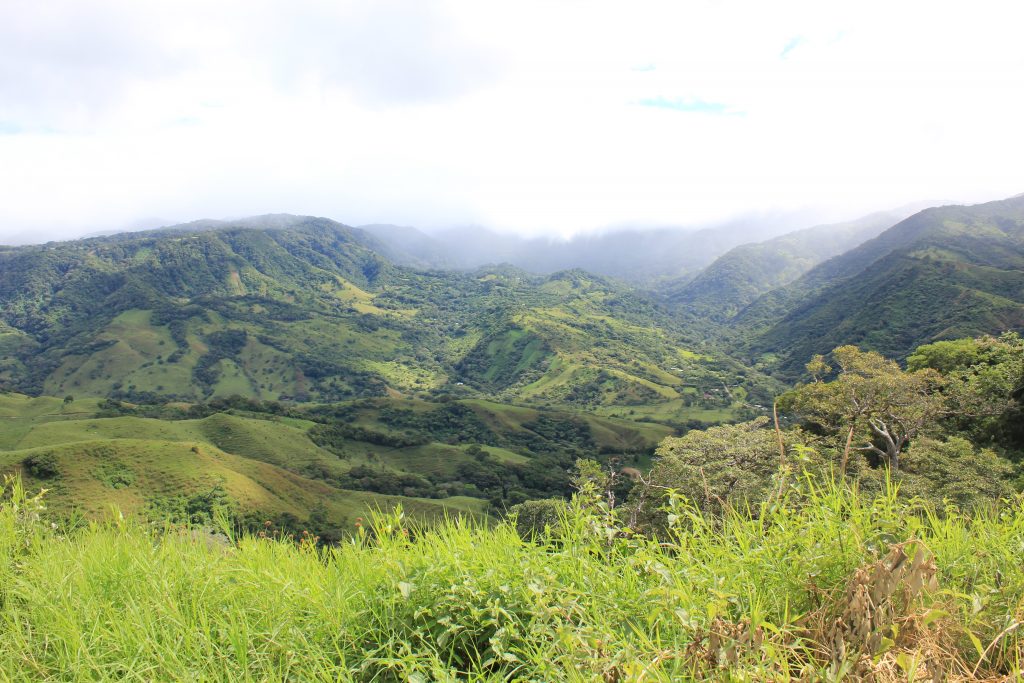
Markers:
point(719, 466)
point(981, 373)
point(537, 517)
point(871, 400)
point(954, 471)
point(983, 388)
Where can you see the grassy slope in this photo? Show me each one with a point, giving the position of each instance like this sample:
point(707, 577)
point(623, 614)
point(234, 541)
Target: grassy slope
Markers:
point(256, 461)
point(263, 462)
point(162, 469)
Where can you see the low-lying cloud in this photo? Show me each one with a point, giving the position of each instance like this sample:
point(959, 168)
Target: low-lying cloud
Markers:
point(538, 117)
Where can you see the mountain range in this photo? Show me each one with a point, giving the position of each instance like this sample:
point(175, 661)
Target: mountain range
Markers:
point(943, 273)
point(644, 257)
point(291, 307)
point(301, 309)
point(304, 369)
point(737, 278)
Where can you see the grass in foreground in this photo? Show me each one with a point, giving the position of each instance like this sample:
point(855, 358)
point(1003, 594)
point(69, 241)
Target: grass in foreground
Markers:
point(823, 584)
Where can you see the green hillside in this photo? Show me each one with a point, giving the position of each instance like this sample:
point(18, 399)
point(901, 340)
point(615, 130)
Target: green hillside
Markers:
point(300, 309)
point(744, 273)
point(258, 468)
point(267, 461)
point(941, 274)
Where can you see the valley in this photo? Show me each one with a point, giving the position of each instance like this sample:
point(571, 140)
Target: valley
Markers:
point(287, 368)
point(471, 342)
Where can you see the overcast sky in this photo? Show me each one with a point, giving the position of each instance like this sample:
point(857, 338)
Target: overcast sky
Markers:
point(543, 117)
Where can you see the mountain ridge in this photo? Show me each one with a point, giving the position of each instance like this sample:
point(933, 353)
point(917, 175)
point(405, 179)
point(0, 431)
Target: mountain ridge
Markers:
point(735, 279)
point(960, 268)
point(303, 308)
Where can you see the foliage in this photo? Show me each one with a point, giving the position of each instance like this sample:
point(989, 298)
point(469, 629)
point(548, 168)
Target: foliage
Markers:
point(981, 377)
point(714, 468)
point(750, 597)
point(42, 466)
point(115, 474)
point(449, 421)
point(538, 518)
point(336, 435)
point(872, 401)
point(365, 478)
point(955, 471)
point(200, 508)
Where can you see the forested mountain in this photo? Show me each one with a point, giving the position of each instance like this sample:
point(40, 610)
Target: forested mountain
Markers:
point(943, 273)
point(307, 309)
point(741, 275)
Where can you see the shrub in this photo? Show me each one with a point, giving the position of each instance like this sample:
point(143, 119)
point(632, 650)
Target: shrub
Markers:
point(42, 466)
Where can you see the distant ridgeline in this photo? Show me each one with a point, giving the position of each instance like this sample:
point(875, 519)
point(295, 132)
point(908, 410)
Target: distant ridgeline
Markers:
point(942, 273)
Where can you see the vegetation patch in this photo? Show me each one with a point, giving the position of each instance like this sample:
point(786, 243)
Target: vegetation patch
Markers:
point(114, 474)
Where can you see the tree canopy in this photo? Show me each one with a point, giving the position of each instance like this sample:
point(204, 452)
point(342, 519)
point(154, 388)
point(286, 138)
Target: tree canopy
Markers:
point(876, 404)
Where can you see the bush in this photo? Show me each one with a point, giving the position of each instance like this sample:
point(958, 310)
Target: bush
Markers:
point(537, 518)
point(42, 466)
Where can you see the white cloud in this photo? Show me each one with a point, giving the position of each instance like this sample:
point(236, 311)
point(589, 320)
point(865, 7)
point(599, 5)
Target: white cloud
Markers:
point(527, 115)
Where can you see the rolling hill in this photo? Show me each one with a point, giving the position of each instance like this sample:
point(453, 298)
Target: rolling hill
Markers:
point(315, 466)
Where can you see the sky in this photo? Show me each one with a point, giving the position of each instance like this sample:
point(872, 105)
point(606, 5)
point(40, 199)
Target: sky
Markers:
point(546, 117)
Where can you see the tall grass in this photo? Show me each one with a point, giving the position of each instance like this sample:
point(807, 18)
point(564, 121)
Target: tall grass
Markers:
point(750, 596)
